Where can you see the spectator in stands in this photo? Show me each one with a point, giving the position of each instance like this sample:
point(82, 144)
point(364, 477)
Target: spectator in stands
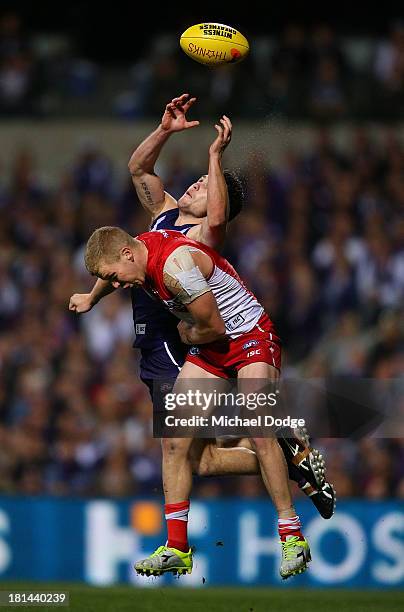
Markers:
point(327, 98)
point(324, 45)
point(389, 72)
point(17, 68)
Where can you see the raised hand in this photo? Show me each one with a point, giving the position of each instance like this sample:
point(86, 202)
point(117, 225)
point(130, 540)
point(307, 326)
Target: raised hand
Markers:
point(223, 138)
point(174, 118)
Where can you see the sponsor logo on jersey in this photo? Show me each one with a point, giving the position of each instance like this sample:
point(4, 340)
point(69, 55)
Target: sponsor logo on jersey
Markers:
point(235, 322)
point(249, 344)
point(194, 350)
point(140, 329)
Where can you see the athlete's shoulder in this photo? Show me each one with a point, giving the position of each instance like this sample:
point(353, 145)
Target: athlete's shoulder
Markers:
point(149, 235)
point(167, 240)
point(161, 241)
point(160, 234)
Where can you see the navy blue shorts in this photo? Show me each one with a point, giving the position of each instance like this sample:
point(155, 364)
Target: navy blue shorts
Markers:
point(162, 363)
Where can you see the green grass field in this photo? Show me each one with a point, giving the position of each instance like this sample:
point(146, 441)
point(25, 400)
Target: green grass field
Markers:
point(130, 599)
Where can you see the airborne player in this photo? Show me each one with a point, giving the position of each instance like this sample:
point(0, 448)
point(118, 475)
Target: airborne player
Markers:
point(219, 315)
point(201, 213)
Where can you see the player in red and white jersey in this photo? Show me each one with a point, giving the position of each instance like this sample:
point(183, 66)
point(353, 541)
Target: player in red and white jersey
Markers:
point(202, 214)
point(243, 316)
point(220, 316)
point(232, 296)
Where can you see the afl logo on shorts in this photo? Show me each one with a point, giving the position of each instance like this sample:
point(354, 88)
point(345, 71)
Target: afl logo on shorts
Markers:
point(249, 344)
point(194, 350)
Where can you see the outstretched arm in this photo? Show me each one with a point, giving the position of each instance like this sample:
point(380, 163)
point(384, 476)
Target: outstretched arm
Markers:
point(148, 185)
point(83, 302)
point(212, 230)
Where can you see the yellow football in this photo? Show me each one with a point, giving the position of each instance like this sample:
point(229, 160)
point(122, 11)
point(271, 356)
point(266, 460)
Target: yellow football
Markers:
point(213, 44)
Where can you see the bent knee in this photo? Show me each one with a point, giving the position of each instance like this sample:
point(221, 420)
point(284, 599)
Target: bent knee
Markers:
point(202, 465)
point(201, 468)
point(264, 444)
point(205, 468)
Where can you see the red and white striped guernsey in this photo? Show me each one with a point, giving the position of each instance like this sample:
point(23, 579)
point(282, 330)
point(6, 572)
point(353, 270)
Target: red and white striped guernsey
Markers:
point(237, 305)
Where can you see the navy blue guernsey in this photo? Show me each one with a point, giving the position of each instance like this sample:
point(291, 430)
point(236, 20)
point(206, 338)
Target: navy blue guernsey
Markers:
point(154, 324)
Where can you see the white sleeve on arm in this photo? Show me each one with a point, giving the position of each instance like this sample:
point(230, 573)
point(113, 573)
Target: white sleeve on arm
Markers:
point(183, 276)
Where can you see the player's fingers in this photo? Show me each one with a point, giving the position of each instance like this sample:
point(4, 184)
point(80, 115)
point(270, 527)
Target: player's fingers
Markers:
point(191, 124)
point(228, 130)
point(182, 98)
point(229, 125)
point(189, 103)
point(170, 109)
point(179, 106)
point(219, 129)
point(228, 121)
point(224, 123)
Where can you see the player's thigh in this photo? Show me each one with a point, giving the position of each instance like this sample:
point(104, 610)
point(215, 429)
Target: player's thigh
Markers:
point(260, 369)
point(194, 394)
point(191, 370)
point(193, 377)
point(257, 378)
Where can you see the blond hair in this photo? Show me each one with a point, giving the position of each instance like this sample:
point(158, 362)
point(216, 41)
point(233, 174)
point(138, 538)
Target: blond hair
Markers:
point(104, 245)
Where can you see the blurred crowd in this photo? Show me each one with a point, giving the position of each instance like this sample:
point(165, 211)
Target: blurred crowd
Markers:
point(321, 243)
point(303, 72)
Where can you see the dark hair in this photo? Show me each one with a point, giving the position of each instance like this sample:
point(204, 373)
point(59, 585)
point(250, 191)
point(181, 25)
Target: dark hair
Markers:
point(236, 192)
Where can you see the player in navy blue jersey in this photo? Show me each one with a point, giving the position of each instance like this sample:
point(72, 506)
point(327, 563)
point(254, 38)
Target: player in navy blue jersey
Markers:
point(202, 213)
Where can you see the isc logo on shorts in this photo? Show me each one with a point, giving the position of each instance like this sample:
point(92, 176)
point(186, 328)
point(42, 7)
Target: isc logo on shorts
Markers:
point(140, 328)
point(194, 350)
point(254, 352)
point(249, 344)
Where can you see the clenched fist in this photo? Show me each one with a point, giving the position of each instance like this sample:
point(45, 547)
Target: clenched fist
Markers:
point(81, 302)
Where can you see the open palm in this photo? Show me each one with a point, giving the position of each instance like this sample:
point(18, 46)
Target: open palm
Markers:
point(174, 118)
